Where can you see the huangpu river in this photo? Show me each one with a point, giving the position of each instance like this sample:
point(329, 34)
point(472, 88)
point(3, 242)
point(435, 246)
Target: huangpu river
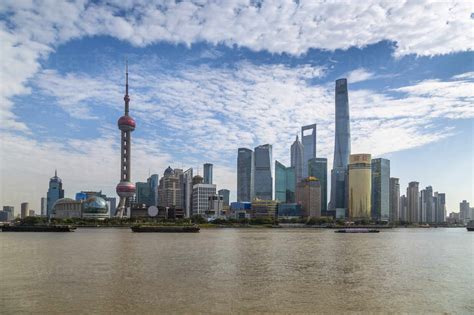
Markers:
point(112, 270)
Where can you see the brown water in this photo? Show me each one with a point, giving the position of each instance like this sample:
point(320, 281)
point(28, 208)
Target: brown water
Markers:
point(237, 270)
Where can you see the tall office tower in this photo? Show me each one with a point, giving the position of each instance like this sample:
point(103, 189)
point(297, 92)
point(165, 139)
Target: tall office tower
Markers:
point(426, 206)
point(44, 206)
point(153, 182)
point(308, 195)
point(245, 175)
point(125, 188)
point(225, 193)
point(380, 189)
point(318, 167)
point(207, 173)
point(187, 192)
point(112, 205)
point(11, 211)
point(412, 202)
point(308, 138)
point(263, 180)
point(201, 194)
point(55, 192)
point(464, 210)
point(440, 207)
point(25, 209)
point(342, 146)
point(143, 193)
point(170, 190)
point(394, 215)
point(284, 183)
point(297, 152)
point(403, 209)
point(360, 187)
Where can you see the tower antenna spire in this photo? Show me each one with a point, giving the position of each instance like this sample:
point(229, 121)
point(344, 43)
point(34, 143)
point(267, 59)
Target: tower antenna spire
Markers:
point(126, 97)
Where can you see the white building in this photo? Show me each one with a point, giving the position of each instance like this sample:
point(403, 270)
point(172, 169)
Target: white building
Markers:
point(201, 194)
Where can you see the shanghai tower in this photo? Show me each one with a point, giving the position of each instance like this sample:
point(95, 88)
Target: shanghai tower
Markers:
point(342, 146)
point(126, 124)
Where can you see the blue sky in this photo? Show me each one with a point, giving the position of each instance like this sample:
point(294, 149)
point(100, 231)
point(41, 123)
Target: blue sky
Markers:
point(209, 77)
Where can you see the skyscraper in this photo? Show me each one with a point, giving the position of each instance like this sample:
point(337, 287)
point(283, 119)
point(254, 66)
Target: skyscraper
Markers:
point(225, 193)
point(143, 193)
point(308, 195)
point(244, 175)
point(380, 189)
point(25, 210)
point(440, 207)
point(394, 215)
point(170, 189)
point(308, 139)
point(403, 209)
point(188, 192)
point(207, 173)
point(153, 182)
point(44, 207)
point(11, 211)
point(412, 202)
point(55, 192)
point(426, 206)
point(342, 146)
point(297, 152)
point(318, 167)
point(360, 187)
point(201, 194)
point(464, 211)
point(263, 180)
point(284, 183)
point(125, 188)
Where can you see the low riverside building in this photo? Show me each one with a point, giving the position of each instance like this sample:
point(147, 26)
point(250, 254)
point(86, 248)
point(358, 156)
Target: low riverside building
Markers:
point(264, 209)
point(289, 210)
point(93, 207)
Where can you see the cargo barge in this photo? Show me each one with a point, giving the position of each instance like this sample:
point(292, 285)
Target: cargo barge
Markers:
point(470, 226)
point(37, 228)
point(357, 231)
point(165, 228)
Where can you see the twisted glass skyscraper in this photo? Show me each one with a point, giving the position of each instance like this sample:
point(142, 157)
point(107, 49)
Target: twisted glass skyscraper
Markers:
point(342, 146)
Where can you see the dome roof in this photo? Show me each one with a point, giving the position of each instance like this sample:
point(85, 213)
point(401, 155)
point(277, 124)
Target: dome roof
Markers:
point(168, 171)
point(63, 201)
point(95, 204)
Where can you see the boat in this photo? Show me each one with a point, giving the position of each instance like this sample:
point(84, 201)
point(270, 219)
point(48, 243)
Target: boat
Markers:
point(37, 228)
point(165, 228)
point(357, 231)
point(470, 226)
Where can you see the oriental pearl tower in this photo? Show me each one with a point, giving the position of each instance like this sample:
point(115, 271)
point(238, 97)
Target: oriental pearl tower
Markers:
point(126, 124)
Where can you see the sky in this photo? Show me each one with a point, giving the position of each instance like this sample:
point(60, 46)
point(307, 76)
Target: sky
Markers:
point(208, 77)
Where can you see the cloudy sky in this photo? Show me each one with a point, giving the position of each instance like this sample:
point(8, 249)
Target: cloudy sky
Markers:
point(207, 77)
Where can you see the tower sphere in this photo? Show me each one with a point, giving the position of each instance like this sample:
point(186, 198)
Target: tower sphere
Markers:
point(126, 123)
point(125, 189)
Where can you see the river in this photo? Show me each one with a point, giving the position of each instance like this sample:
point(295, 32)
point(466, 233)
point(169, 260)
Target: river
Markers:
point(237, 271)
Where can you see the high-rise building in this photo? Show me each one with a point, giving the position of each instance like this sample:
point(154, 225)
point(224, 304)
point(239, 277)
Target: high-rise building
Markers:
point(360, 187)
point(188, 192)
point(125, 188)
point(380, 189)
point(143, 193)
point(44, 206)
point(25, 208)
point(55, 192)
point(153, 182)
point(404, 209)
point(413, 202)
point(216, 206)
point(225, 193)
point(426, 206)
point(318, 167)
point(394, 214)
point(201, 194)
point(440, 207)
point(342, 147)
point(464, 211)
point(263, 180)
point(284, 183)
point(297, 159)
point(208, 173)
point(244, 175)
point(308, 195)
point(10, 210)
point(170, 189)
point(308, 139)
point(112, 205)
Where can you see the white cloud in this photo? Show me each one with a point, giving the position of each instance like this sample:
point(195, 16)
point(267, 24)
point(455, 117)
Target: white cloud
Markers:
point(359, 75)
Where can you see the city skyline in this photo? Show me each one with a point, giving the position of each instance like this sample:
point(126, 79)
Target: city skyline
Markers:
point(199, 103)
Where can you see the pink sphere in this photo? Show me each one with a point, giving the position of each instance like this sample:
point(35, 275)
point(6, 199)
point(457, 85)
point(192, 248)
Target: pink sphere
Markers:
point(125, 189)
point(126, 123)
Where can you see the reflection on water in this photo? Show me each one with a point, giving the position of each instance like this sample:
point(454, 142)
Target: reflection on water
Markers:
point(237, 270)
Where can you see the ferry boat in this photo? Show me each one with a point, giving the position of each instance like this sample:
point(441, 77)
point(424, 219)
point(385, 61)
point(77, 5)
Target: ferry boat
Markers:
point(165, 228)
point(357, 231)
point(37, 228)
point(470, 226)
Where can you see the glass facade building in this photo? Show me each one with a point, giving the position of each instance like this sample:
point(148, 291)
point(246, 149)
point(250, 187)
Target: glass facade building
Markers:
point(297, 152)
point(225, 193)
point(360, 187)
point(380, 189)
point(318, 167)
point(413, 195)
point(308, 139)
point(208, 173)
point(55, 192)
point(143, 193)
point(308, 195)
point(394, 200)
point(342, 146)
point(263, 180)
point(244, 175)
point(284, 183)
